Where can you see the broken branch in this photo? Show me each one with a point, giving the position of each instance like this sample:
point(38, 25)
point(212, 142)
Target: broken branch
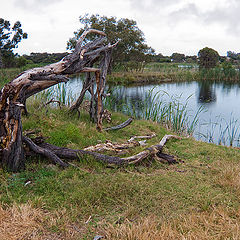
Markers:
point(120, 126)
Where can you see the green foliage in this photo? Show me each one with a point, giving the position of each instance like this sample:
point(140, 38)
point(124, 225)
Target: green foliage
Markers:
point(132, 42)
point(208, 58)
point(178, 57)
point(221, 73)
point(21, 61)
point(45, 57)
point(9, 39)
point(7, 75)
point(233, 55)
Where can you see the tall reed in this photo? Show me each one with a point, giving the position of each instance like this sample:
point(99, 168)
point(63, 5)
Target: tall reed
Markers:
point(59, 93)
point(171, 112)
point(159, 107)
point(222, 131)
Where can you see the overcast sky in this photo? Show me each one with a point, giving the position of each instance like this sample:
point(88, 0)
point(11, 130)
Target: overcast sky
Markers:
point(183, 26)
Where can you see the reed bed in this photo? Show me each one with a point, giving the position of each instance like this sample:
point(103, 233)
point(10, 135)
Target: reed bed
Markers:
point(59, 93)
point(162, 72)
point(222, 132)
point(220, 74)
point(159, 107)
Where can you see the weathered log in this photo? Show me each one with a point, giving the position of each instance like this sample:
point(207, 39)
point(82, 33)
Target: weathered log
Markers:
point(142, 137)
point(154, 152)
point(112, 147)
point(72, 154)
point(14, 94)
point(118, 147)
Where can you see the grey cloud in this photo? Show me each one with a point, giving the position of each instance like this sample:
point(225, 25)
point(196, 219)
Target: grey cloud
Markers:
point(187, 12)
point(225, 15)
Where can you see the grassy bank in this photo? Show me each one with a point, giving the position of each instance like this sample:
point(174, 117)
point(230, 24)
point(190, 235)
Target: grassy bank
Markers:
point(174, 72)
point(195, 199)
point(156, 73)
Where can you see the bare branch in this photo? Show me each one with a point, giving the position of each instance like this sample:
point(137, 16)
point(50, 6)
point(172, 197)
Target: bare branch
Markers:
point(85, 33)
point(122, 125)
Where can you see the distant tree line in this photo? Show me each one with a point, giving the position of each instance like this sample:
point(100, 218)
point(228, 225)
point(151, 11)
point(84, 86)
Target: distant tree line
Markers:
point(44, 57)
point(175, 57)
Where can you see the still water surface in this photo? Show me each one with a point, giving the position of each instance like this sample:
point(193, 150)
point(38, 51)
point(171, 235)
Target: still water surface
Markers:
point(220, 101)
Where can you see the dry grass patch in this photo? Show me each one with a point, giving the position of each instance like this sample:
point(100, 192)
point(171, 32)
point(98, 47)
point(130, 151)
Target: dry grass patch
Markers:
point(220, 223)
point(20, 222)
point(24, 222)
point(228, 175)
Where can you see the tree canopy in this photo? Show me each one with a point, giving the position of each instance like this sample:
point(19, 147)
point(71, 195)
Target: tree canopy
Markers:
point(208, 58)
point(178, 57)
point(131, 46)
point(9, 39)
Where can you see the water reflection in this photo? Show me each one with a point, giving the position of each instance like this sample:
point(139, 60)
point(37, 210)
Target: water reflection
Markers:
point(206, 92)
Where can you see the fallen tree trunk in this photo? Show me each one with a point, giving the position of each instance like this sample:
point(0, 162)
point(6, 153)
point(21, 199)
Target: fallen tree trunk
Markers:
point(154, 152)
point(14, 94)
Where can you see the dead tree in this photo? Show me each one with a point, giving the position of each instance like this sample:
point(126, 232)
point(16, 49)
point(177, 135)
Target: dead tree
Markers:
point(14, 94)
point(14, 146)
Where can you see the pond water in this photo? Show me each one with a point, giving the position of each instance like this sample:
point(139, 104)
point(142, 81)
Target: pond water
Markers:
point(219, 120)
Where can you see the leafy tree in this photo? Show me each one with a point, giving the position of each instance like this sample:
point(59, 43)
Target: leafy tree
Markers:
point(20, 61)
point(131, 46)
point(191, 59)
point(232, 55)
point(160, 58)
point(208, 58)
point(178, 57)
point(9, 39)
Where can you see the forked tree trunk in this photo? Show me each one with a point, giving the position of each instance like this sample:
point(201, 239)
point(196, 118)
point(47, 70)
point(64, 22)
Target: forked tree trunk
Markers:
point(14, 94)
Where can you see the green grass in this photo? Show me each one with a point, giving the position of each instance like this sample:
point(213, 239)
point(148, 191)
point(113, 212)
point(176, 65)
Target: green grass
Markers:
point(108, 194)
point(206, 178)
